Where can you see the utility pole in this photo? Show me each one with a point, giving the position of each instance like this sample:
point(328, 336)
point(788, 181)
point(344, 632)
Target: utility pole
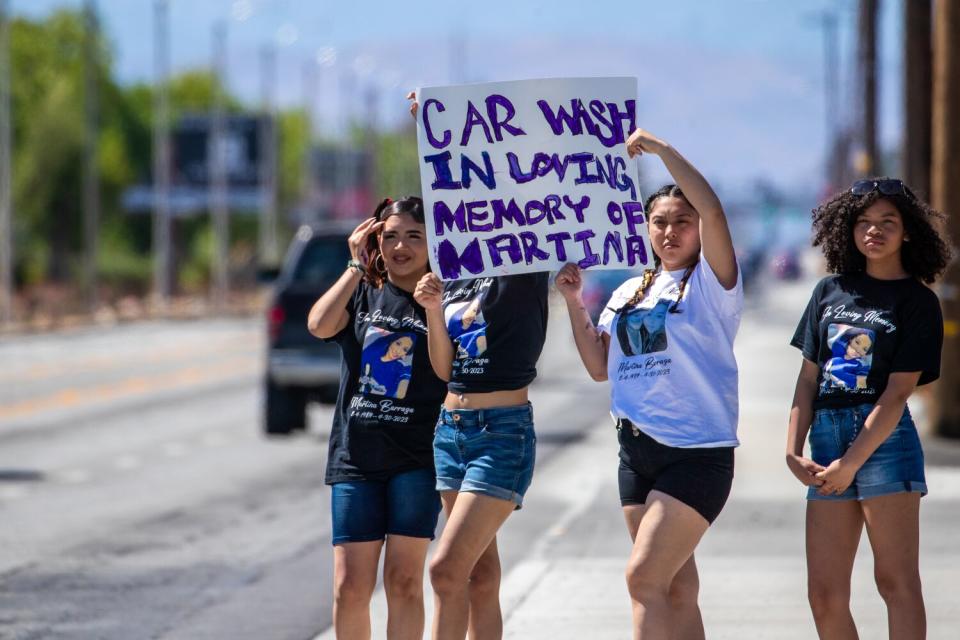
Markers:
point(827, 21)
point(267, 236)
point(310, 81)
point(161, 157)
point(6, 174)
point(867, 59)
point(917, 94)
point(91, 169)
point(217, 157)
point(945, 176)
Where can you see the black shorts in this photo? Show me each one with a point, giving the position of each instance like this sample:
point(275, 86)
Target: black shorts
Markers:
point(698, 477)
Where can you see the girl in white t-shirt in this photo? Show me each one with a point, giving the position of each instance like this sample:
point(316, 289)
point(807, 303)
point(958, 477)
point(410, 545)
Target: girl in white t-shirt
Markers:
point(665, 342)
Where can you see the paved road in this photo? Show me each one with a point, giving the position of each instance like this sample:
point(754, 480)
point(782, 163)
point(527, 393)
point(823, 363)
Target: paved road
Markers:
point(138, 500)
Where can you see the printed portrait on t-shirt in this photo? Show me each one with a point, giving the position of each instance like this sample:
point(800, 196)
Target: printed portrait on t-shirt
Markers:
point(851, 354)
point(467, 328)
point(643, 330)
point(386, 362)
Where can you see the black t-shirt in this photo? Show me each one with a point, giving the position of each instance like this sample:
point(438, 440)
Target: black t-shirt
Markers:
point(497, 326)
point(389, 396)
point(859, 330)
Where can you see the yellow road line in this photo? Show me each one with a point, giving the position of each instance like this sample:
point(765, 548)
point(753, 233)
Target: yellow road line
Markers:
point(133, 386)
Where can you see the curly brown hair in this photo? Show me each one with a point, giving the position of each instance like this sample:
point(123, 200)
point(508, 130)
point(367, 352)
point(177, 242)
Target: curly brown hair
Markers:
point(924, 257)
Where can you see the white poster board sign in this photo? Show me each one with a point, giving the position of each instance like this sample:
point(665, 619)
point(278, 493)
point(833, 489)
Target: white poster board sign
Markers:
point(529, 175)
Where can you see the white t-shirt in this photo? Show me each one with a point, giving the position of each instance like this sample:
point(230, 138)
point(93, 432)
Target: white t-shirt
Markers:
point(674, 375)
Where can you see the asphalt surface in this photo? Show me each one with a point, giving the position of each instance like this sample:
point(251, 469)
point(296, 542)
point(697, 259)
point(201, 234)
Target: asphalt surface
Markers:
point(139, 500)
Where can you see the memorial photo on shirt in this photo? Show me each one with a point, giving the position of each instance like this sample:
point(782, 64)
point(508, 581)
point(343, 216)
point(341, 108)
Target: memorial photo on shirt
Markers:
point(851, 351)
point(467, 328)
point(643, 330)
point(386, 362)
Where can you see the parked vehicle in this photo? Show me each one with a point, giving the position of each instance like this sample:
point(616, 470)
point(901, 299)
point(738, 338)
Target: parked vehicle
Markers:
point(299, 367)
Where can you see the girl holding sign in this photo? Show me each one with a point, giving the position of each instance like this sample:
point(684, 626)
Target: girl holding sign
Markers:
point(486, 335)
point(871, 334)
point(380, 463)
point(665, 342)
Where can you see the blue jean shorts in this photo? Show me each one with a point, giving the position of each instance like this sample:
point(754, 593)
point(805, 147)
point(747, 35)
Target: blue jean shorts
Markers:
point(895, 467)
point(486, 451)
point(406, 504)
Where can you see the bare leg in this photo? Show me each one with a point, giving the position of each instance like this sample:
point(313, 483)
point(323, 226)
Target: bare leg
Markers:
point(354, 579)
point(686, 623)
point(833, 534)
point(893, 526)
point(403, 584)
point(471, 527)
point(666, 538)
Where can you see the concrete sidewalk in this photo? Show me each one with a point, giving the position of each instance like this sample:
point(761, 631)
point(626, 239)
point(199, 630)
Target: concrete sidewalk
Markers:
point(570, 584)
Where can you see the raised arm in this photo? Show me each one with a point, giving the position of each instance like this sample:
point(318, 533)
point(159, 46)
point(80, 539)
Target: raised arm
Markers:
point(329, 316)
point(429, 295)
point(714, 232)
point(592, 344)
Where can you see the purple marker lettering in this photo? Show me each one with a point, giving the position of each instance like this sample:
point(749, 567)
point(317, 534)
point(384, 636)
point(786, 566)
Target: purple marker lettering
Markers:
point(474, 117)
point(452, 263)
point(507, 212)
point(485, 174)
point(531, 248)
point(515, 171)
point(441, 171)
point(578, 207)
point(633, 212)
point(476, 214)
point(504, 243)
point(443, 217)
point(495, 100)
point(436, 144)
point(636, 251)
point(589, 257)
point(612, 241)
point(558, 239)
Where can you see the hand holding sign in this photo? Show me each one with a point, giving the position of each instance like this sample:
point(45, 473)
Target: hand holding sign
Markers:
point(641, 141)
point(526, 176)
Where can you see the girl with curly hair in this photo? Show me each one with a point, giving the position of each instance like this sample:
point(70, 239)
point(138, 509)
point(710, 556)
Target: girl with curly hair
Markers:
point(871, 333)
point(665, 343)
point(380, 461)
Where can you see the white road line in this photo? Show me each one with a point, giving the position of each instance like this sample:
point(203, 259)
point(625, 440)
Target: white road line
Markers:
point(74, 476)
point(12, 493)
point(127, 462)
point(174, 449)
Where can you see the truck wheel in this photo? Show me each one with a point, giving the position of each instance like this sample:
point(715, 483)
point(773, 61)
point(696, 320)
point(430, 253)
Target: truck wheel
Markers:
point(285, 410)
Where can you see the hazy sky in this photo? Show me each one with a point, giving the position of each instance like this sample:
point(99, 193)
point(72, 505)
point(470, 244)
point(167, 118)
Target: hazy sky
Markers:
point(736, 85)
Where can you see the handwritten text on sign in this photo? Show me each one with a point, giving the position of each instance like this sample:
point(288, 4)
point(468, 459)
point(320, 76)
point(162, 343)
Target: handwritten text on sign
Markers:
point(527, 176)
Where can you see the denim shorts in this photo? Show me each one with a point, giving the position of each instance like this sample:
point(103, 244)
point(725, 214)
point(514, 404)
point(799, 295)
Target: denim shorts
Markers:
point(486, 451)
point(406, 504)
point(895, 467)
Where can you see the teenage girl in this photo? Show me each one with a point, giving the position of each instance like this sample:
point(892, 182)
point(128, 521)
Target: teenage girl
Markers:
point(665, 343)
point(871, 333)
point(380, 463)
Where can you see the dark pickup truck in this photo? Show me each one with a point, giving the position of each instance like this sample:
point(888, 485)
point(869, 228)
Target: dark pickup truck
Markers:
point(301, 367)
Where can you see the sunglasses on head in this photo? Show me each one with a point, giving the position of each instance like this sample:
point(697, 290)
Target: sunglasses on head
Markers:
point(891, 187)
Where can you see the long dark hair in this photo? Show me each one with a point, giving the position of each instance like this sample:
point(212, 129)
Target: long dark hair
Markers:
point(411, 206)
point(924, 257)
